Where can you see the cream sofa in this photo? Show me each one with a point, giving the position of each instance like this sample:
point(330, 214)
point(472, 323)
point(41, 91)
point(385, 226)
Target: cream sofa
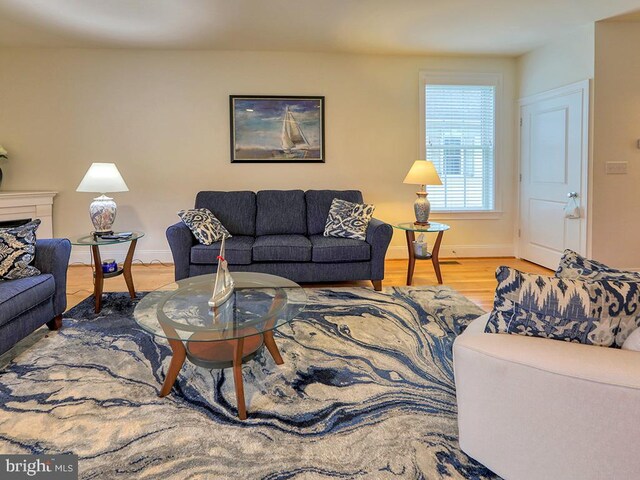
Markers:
point(532, 408)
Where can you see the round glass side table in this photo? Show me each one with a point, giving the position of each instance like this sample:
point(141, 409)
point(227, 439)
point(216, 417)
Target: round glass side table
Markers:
point(95, 243)
point(410, 229)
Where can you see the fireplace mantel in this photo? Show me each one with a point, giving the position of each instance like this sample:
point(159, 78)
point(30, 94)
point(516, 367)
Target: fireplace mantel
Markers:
point(18, 205)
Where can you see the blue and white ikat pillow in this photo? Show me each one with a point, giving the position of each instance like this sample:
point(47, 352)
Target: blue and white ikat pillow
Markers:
point(573, 265)
point(602, 313)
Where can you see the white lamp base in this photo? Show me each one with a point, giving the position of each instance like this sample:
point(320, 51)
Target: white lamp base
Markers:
point(103, 213)
point(422, 208)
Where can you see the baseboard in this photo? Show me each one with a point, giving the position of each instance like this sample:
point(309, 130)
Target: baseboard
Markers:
point(458, 251)
point(83, 255)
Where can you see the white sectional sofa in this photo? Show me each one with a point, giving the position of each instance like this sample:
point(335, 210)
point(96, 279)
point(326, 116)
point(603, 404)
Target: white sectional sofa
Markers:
point(533, 408)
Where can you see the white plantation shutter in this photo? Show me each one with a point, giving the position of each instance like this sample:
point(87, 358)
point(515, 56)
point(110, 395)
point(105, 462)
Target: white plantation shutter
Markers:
point(459, 140)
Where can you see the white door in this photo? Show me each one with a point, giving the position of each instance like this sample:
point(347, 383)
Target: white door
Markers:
point(553, 166)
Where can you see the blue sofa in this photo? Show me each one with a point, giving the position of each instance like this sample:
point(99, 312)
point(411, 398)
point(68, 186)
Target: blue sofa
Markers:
point(280, 232)
point(28, 303)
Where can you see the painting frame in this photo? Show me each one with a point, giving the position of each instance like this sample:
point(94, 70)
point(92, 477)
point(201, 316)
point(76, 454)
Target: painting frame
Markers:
point(289, 123)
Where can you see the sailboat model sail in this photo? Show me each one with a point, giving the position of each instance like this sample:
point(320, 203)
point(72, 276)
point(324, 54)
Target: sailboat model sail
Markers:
point(292, 135)
point(224, 285)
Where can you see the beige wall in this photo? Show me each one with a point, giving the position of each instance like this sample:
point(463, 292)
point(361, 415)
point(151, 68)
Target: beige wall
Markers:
point(616, 198)
point(163, 117)
point(567, 60)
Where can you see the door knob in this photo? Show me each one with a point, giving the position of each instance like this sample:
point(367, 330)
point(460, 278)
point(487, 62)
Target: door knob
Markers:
point(572, 194)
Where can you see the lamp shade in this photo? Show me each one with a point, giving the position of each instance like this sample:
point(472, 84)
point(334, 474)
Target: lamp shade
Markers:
point(423, 173)
point(102, 178)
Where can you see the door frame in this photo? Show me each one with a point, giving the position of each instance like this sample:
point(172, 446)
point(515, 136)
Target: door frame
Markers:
point(583, 87)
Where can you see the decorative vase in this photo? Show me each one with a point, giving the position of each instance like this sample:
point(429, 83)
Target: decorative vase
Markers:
point(103, 213)
point(422, 208)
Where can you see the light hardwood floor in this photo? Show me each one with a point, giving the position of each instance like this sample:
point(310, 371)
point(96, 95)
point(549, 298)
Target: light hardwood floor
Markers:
point(472, 277)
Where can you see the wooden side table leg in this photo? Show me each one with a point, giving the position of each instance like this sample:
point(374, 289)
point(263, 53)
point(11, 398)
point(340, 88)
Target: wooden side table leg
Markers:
point(237, 378)
point(270, 343)
point(98, 280)
point(126, 268)
point(412, 258)
point(434, 257)
point(179, 355)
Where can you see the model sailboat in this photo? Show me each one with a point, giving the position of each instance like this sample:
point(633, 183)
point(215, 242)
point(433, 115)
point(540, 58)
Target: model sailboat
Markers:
point(223, 285)
point(293, 137)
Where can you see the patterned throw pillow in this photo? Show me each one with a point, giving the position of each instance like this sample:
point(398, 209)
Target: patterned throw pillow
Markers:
point(17, 251)
point(574, 265)
point(348, 220)
point(204, 225)
point(600, 313)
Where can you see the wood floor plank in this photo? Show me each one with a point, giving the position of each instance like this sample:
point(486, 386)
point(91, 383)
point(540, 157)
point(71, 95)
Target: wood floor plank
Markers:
point(472, 277)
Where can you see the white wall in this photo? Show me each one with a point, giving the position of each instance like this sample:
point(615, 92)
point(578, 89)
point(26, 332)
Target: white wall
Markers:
point(163, 117)
point(568, 59)
point(616, 198)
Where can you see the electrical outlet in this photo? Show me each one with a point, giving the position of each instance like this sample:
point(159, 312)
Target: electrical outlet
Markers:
point(616, 168)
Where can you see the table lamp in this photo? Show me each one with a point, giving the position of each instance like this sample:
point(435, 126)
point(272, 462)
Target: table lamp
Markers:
point(422, 173)
point(102, 178)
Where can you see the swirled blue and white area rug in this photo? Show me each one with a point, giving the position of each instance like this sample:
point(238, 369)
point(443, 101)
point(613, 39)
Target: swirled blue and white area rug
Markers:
point(366, 391)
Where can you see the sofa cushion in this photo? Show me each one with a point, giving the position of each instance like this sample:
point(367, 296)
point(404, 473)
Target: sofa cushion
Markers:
point(333, 250)
point(348, 219)
point(204, 225)
point(235, 210)
point(18, 296)
point(281, 212)
point(601, 313)
point(282, 248)
point(319, 203)
point(237, 251)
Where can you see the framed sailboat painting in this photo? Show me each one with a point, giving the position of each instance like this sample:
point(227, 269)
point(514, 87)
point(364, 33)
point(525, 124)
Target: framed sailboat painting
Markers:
point(283, 129)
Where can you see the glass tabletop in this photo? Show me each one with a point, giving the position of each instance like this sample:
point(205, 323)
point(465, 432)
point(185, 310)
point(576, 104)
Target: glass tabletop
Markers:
point(180, 310)
point(431, 227)
point(91, 240)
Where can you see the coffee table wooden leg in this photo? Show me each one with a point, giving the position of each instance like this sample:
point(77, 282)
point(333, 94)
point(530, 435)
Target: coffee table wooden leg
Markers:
point(237, 378)
point(272, 347)
point(412, 259)
point(179, 355)
point(126, 269)
point(98, 280)
point(434, 256)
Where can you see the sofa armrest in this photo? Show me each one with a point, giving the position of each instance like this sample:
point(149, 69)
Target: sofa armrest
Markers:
point(180, 241)
point(52, 256)
point(566, 403)
point(379, 236)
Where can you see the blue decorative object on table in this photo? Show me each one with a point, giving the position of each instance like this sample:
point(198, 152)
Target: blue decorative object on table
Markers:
point(109, 266)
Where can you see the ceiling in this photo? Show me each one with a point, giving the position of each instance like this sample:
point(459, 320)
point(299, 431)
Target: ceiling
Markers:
point(492, 27)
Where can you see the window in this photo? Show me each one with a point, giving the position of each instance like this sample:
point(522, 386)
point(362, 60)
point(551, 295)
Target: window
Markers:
point(459, 138)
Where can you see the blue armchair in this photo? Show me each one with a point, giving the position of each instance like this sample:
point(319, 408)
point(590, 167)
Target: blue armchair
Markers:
point(28, 303)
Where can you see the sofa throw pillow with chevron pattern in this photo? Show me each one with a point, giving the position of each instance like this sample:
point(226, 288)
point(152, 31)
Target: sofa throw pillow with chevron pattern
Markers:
point(18, 250)
point(573, 265)
point(348, 220)
point(600, 313)
point(204, 225)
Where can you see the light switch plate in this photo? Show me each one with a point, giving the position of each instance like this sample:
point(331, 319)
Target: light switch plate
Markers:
point(616, 168)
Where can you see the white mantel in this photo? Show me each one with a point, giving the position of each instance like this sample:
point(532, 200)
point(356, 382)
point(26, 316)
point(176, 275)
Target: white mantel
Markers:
point(16, 205)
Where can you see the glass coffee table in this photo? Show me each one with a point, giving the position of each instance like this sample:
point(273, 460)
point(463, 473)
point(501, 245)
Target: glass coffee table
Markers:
point(224, 336)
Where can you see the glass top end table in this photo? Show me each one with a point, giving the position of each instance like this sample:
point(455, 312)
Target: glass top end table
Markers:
point(95, 243)
point(224, 336)
point(410, 230)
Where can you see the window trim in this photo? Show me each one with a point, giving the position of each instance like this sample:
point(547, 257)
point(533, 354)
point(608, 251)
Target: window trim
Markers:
point(467, 78)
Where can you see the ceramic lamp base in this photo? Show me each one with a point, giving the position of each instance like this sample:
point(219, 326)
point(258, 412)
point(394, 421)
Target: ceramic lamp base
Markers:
point(422, 208)
point(103, 213)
